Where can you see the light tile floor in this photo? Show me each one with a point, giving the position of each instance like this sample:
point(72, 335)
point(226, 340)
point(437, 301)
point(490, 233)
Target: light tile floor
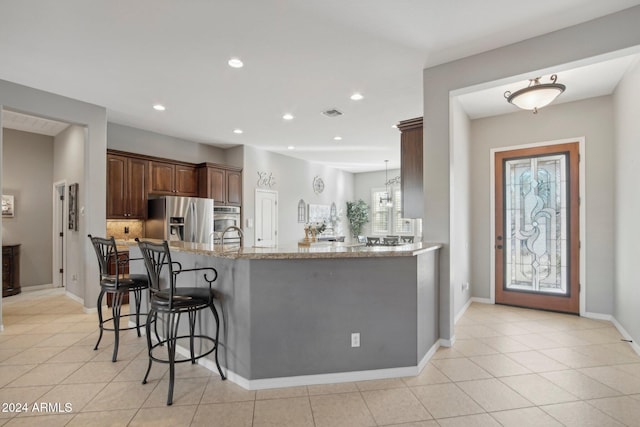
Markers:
point(509, 367)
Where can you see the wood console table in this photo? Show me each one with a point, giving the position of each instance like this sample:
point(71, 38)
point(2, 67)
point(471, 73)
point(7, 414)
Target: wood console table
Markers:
point(10, 270)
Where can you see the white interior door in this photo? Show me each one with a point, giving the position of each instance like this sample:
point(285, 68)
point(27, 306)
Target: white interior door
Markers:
point(266, 218)
point(59, 236)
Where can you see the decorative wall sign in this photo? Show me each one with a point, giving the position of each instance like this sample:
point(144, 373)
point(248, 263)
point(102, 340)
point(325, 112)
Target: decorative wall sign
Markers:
point(266, 180)
point(73, 207)
point(318, 185)
point(8, 206)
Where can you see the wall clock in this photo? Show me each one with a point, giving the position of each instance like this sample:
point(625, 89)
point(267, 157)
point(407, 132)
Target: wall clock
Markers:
point(318, 185)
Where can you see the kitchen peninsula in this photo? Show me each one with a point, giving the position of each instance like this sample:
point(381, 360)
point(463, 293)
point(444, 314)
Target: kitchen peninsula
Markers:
point(290, 313)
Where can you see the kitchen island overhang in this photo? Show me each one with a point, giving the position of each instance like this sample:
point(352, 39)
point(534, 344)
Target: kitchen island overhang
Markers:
point(288, 313)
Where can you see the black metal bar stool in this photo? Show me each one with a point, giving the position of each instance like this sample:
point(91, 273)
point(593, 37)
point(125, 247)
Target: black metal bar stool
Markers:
point(117, 284)
point(172, 301)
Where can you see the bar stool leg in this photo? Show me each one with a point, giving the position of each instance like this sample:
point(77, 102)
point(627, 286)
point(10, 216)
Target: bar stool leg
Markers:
point(138, 298)
point(192, 331)
point(172, 333)
point(151, 314)
point(115, 310)
point(215, 315)
point(100, 321)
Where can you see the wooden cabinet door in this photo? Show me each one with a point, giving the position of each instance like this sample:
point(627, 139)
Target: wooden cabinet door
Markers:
point(186, 181)
point(137, 188)
point(116, 186)
point(216, 186)
point(234, 188)
point(162, 178)
point(411, 167)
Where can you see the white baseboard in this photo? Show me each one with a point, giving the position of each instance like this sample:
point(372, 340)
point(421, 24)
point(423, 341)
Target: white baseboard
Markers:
point(626, 335)
point(301, 380)
point(37, 287)
point(482, 300)
point(447, 343)
point(462, 311)
point(597, 316)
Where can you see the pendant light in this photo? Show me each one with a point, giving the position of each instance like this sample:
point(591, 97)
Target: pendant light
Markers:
point(536, 95)
point(386, 199)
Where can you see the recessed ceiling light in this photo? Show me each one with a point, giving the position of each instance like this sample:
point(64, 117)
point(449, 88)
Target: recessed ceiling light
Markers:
point(288, 116)
point(159, 107)
point(337, 138)
point(291, 147)
point(394, 126)
point(238, 131)
point(357, 96)
point(235, 63)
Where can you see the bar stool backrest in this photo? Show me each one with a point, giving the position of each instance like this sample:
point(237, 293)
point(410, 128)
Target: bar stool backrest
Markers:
point(156, 257)
point(107, 252)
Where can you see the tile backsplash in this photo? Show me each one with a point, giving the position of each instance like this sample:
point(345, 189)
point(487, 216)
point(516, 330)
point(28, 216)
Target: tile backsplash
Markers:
point(119, 228)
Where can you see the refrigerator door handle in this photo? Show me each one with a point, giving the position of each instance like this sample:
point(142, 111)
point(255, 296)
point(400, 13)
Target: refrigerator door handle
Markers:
point(194, 219)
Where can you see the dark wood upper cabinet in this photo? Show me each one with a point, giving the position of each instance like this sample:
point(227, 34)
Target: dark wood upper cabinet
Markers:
point(173, 179)
point(223, 184)
point(126, 187)
point(411, 168)
point(234, 188)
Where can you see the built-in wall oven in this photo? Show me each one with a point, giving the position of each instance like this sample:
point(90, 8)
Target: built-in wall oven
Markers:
point(223, 217)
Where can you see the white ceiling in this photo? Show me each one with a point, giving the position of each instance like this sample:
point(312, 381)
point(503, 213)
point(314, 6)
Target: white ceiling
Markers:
point(300, 56)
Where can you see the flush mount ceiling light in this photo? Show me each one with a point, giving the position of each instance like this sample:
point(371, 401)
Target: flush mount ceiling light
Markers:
point(288, 116)
point(536, 95)
point(238, 131)
point(235, 63)
point(159, 107)
point(337, 138)
point(357, 96)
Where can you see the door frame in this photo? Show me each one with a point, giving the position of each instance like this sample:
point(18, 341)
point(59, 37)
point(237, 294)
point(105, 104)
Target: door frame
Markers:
point(582, 210)
point(59, 208)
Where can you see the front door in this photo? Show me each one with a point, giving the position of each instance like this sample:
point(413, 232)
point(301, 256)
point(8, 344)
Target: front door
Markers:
point(537, 227)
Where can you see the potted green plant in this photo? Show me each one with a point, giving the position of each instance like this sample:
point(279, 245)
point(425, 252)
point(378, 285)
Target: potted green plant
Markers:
point(358, 215)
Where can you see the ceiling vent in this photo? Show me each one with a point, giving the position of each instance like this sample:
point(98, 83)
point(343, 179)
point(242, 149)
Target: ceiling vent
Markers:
point(332, 113)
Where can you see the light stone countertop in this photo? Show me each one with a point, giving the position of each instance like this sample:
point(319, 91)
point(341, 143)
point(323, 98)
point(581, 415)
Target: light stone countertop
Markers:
point(335, 250)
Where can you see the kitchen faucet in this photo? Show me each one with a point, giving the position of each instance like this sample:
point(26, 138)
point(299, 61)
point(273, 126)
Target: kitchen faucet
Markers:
point(231, 227)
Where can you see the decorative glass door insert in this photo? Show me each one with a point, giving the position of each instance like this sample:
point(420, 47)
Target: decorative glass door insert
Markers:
point(535, 219)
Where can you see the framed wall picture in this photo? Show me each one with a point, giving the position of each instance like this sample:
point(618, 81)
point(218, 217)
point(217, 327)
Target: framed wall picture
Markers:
point(73, 207)
point(8, 206)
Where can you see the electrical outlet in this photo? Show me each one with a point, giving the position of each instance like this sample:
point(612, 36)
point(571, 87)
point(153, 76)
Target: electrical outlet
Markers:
point(355, 339)
point(465, 286)
point(126, 230)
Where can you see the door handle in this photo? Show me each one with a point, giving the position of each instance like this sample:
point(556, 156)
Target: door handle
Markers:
point(498, 246)
point(259, 239)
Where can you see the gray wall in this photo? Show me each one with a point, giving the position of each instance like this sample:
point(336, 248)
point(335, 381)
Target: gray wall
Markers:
point(69, 166)
point(591, 118)
point(140, 141)
point(563, 49)
point(462, 210)
point(93, 184)
point(26, 174)
point(627, 203)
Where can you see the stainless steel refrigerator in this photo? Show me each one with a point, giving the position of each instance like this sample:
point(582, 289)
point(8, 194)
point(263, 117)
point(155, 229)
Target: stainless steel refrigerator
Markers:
point(189, 219)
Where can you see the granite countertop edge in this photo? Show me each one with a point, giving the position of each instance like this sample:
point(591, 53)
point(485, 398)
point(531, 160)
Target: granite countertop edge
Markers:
point(328, 251)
